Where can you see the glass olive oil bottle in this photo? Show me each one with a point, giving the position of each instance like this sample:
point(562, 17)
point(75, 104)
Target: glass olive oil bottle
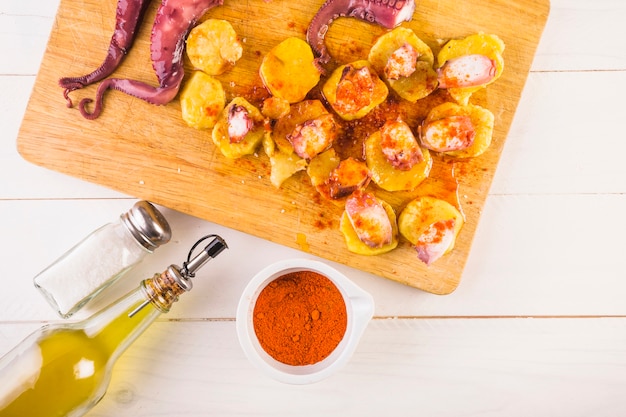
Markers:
point(65, 369)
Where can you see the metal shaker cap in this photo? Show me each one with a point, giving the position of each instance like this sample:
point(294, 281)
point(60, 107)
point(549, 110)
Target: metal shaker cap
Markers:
point(147, 225)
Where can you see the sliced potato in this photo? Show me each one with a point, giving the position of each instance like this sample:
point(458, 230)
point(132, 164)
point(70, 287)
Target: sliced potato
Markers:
point(288, 71)
point(482, 120)
point(284, 166)
point(202, 99)
point(269, 146)
point(481, 44)
point(422, 81)
point(321, 166)
point(354, 100)
point(385, 175)
point(213, 46)
point(250, 141)
point(355, 244)
point(275, 107)
point(421, 213)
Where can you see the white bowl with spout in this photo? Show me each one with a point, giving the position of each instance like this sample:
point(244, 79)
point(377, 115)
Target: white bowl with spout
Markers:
point(359, 311)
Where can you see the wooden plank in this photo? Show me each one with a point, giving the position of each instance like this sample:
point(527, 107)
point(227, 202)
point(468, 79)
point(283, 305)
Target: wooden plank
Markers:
point(25, 27)
point(148, 152)
point(434, 367)
point(583, 36)
point(579, 138)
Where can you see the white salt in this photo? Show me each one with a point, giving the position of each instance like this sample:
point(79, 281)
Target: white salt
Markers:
point(89, 267)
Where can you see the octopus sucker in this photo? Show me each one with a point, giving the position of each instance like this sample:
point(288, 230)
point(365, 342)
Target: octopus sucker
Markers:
point(387, 13)
point(173, 21)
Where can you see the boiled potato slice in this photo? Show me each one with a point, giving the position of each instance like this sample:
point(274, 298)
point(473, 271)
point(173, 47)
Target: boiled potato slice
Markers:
point(269, 146)
point(320, 169)
point(213, 46)
point(364, 100)
point(482, 44)
point(482, 119)
point(422, 81)
point(275, 107)
point(419, 214)
point(355, 245)
point(202, 99)
point(385, 175)
point(288, 72)
point(251, 140)
point(321, 166)
point(284, 166)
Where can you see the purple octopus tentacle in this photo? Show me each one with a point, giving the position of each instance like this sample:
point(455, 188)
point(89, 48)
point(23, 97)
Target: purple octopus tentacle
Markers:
point(128, 15)
point(387, 13)
point(172, 24)
point(153, 95)
point(330, 10)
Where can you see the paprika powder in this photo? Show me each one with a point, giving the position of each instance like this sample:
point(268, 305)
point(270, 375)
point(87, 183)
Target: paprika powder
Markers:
point(299, 318)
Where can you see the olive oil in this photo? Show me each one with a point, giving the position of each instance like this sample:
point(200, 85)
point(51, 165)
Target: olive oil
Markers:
point(67, 359)
point(66, 369)
point(63, 370)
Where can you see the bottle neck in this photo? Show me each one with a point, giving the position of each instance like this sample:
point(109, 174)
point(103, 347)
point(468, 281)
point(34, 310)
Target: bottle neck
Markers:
point(117, 326)
point(163, 289)
point(114, 329)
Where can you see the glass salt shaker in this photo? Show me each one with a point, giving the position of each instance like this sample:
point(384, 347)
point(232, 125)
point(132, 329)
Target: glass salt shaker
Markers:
point(102, 258)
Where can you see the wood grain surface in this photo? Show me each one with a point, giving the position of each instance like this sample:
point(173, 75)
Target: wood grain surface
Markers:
point(148, 152)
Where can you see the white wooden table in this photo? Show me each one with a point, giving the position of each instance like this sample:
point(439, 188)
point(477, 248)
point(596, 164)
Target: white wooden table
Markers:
point(537, 326)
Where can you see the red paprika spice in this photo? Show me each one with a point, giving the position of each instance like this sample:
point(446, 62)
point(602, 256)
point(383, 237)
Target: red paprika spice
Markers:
point(300, 318)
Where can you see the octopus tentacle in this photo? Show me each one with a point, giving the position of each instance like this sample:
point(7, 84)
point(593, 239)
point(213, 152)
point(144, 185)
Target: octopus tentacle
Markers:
point(127, 17)
point(139, 89)
point(387, 13)
point(316, 32)
point(172, 24)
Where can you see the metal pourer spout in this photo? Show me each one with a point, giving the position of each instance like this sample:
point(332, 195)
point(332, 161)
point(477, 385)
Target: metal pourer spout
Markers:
point(210, 251)
point(163, 289)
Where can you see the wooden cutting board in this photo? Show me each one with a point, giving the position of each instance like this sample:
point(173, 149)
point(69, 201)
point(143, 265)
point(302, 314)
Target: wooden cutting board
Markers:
point(148, 152)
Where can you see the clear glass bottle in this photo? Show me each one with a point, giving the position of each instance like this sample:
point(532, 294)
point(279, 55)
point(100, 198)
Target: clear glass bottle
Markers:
point(64, 369)
point(102, 258)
